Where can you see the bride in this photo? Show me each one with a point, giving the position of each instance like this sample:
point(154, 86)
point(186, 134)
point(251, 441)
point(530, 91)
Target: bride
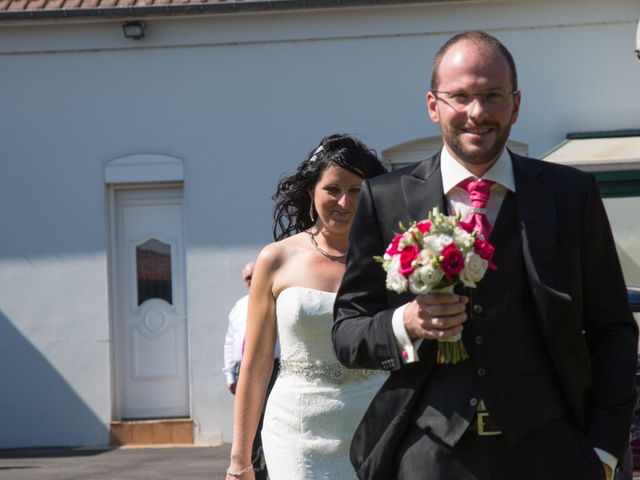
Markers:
point(315, 404)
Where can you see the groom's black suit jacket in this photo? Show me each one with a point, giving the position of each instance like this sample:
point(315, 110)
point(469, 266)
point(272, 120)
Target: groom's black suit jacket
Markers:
point(576, 283)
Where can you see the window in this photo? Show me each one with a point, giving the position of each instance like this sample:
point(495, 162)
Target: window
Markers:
point(621, 197)
point(153, 266)
point(619, 184)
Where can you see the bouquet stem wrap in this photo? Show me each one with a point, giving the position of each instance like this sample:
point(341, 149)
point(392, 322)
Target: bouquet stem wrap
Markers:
point(451, 350)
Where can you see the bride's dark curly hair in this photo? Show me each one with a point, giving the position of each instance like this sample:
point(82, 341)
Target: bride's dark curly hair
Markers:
point(293, 203)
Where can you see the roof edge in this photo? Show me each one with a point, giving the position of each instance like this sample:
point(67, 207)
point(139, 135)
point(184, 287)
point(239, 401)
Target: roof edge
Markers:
point(197, 9)
point(604, 134)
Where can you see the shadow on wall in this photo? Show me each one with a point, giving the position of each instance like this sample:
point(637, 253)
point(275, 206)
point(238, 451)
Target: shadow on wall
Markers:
point(38, 407)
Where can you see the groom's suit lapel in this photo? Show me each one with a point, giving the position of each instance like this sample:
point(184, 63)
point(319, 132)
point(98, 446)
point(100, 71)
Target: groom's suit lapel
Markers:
point(536, 206)
point(422, 189)
point(537, 217)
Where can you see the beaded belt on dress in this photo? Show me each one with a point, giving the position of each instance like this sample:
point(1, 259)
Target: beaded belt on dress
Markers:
point(331, 372)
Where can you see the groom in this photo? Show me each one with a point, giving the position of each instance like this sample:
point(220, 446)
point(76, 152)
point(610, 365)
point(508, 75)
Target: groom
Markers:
point(548, 392)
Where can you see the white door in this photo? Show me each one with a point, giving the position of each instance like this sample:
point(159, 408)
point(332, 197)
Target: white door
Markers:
point(150, 324)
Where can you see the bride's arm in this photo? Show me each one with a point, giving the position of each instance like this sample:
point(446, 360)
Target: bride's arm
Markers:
point(257, 361)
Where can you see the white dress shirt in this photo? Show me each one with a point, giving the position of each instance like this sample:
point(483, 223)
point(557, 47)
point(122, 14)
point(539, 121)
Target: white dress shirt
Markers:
point(234, 338)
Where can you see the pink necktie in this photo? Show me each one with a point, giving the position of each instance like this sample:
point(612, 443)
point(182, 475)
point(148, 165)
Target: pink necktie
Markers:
point(479, 191)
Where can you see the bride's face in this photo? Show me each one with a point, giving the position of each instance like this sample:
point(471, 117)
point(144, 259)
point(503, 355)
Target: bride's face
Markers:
point(335, 197)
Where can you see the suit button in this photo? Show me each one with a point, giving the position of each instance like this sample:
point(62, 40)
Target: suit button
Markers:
point(387, 364)
point(479, 340)
point(477, 308)
point(473, 402)
point(482, 372)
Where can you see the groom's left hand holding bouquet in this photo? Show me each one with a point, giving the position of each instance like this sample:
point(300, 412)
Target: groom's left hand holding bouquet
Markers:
point(435, 316)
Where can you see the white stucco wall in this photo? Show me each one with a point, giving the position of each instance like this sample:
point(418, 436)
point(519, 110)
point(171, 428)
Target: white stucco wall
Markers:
point(240, 99)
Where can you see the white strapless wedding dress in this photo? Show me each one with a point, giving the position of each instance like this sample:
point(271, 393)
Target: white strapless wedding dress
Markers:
point(316, 404)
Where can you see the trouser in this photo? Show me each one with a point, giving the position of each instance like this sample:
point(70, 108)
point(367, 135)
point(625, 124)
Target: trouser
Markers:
point(257, 455)
point(556, 451)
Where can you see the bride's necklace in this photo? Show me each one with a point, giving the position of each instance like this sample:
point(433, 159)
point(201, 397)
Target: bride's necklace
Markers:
point(324, 252)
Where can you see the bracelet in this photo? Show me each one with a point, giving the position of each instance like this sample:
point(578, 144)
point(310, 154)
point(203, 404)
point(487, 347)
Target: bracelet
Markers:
point(239, 473)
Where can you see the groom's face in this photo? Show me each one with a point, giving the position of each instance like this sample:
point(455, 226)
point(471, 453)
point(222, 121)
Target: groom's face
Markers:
point(474, 103)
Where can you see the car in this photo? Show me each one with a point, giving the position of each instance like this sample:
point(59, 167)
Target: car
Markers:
point(634, 301)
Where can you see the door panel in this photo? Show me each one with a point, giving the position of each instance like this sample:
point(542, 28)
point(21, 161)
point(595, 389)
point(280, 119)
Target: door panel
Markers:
point(151, 355)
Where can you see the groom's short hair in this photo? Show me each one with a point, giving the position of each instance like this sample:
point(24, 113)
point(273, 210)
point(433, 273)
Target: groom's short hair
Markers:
point(481, 38)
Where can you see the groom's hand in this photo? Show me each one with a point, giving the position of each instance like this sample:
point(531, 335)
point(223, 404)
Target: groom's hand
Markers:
point(435, 316)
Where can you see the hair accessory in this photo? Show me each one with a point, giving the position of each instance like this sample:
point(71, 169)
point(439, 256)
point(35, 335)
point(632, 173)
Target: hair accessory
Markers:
point(315, 154)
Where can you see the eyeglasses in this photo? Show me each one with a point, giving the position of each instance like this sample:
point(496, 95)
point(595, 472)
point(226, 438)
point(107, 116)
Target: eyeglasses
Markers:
point(462, 100)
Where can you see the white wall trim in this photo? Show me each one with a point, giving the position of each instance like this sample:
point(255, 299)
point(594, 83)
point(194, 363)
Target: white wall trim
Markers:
point(144, 168)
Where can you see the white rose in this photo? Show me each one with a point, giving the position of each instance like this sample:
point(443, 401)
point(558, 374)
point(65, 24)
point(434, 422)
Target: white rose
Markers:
point(463, 238)
point(416, 284)
point(474, 269)
point(427, 275)
point(424, 257)
point(436, 243)
point(395, 280)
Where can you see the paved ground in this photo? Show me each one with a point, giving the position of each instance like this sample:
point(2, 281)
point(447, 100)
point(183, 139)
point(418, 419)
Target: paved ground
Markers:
point(185, 463)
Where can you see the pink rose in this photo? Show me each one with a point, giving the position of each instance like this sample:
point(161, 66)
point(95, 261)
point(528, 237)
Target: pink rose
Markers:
point(485, 250)
point(393, 248)
point(407, 256)
point(452, 262)
point(424, 226)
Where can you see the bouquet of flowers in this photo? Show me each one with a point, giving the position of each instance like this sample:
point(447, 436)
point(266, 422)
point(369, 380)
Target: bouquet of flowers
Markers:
point(434, 255)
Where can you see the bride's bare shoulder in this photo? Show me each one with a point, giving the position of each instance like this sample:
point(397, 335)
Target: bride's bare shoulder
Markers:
point(276, 254)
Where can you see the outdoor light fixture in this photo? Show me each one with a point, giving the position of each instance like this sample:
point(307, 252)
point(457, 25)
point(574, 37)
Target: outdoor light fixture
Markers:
point(134, 29)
